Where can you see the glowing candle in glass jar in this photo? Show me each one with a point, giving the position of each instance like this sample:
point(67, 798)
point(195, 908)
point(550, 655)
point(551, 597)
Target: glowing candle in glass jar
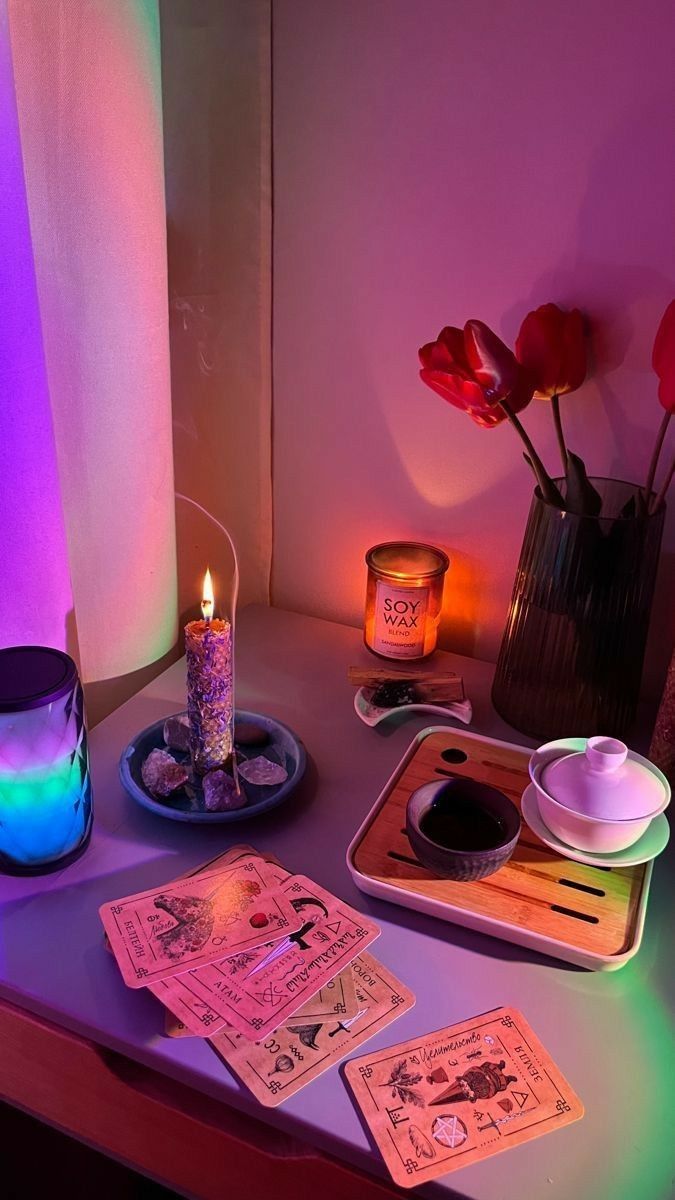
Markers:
point(210, 687)
point(404, 597)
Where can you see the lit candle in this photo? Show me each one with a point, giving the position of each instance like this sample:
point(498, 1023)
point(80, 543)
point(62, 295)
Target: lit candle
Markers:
point(404, 597)
point(208, 648)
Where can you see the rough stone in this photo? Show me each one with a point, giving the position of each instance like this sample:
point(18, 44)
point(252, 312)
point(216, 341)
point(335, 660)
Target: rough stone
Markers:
point(177, 732)
point(162, 775)
point(262, 771)
point(220, 792)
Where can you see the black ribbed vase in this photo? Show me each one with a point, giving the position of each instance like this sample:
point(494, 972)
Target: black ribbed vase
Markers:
point(571, 657)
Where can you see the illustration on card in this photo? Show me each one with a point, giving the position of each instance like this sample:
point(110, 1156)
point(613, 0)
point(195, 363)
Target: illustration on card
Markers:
point(402, 1083)
point(306, 1034)
point(345, 1026)
point(449, 1131)
point(481, 1082)
point(421, 1144)
point(195, 916)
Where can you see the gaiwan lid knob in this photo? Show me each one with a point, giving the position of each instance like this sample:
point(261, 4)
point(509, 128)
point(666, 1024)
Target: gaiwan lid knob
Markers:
point(605, 781)
point(605, 755)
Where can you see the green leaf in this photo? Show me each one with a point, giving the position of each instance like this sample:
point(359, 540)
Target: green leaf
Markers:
point(581, 497)
point(635, 506)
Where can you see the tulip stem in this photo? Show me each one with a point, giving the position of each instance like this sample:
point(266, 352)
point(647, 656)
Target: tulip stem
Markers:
point(664, 488)
point(555, 406)
point(655, 457)
point(548, 489)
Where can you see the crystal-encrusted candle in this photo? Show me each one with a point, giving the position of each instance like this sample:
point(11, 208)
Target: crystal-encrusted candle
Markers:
point(210, 690)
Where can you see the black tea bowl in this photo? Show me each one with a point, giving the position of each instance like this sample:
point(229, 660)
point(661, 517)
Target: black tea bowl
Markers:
point(461, 829)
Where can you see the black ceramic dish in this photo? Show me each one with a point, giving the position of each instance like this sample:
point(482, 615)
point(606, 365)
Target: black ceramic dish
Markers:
point(461, 829)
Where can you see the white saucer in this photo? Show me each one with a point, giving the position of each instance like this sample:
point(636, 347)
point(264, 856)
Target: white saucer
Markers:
point(372, 715)
point(652, 842)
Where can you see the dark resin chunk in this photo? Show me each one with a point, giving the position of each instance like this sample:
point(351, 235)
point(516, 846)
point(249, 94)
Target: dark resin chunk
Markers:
point(393, 695)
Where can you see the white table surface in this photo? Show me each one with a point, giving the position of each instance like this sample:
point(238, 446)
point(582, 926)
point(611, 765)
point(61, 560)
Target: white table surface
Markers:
point(610, 1034)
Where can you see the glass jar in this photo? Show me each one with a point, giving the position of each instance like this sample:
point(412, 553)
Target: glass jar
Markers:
point(45, 789)
point(404, 597)
point(571, 657)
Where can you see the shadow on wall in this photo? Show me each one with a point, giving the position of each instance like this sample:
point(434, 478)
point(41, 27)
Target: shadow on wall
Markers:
point(398, 489)
point(624, 305)
point(105, 695)
point(200, 544)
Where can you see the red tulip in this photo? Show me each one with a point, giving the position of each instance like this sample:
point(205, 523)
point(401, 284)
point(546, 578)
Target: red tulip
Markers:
point(474, 371)
point(551, 345)
point(493, 364)
point(663, 358)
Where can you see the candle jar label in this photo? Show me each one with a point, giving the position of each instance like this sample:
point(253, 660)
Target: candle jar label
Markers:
point(400, 615)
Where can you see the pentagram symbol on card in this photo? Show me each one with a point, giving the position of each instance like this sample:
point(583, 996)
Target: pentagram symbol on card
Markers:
point(450, 1131)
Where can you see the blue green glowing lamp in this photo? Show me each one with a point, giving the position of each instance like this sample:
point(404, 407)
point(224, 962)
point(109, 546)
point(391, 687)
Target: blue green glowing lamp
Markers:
point(45, 789)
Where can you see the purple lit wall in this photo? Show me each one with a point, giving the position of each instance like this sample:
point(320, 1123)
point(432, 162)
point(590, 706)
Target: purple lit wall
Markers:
point(88, 88)
point(35, 594)
point(436, 160)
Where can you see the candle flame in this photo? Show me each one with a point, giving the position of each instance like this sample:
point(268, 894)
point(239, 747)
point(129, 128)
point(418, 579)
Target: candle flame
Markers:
point(208, 599)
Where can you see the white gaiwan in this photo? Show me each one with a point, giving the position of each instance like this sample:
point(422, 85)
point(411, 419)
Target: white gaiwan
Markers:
point(595, 794)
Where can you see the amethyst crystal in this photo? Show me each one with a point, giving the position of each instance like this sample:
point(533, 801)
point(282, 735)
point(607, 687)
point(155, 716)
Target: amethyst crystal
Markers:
point(161, 774)
point(262, 771)
point(177, 732)
point(221, 793)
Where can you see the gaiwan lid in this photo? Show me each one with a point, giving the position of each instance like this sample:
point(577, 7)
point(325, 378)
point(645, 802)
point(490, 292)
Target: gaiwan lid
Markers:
point(606, 781)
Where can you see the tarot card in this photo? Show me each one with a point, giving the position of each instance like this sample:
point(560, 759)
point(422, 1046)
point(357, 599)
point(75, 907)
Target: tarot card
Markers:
point(187, 1015)
point(194, 1017)
point(258, 990)
point(161, 933)
point(227, 858)
point(242, 850)
point(337, 998)
point(280, 1065)
point(453, 1097)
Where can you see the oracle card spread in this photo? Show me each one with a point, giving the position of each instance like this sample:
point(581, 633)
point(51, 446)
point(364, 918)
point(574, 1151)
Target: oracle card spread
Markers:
point(279, 1065)
point(194, 1017)
point(192, 922)
point(451, 1098)
point(257, 990)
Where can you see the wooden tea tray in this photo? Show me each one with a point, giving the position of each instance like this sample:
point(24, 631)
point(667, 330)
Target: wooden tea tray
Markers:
point(591, 916)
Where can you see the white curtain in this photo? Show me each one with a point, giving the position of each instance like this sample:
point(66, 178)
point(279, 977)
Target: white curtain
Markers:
point(88, 429)
point(35, 592)
point(88, 101)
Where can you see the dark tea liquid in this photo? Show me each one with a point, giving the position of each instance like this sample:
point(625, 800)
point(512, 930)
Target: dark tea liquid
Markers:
point(460, 824)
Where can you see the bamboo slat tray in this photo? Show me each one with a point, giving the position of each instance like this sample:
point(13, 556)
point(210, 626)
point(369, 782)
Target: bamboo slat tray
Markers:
point(590, 916)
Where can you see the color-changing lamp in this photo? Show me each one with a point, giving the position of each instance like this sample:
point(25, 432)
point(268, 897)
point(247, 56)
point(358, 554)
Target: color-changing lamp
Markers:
point(45, 789)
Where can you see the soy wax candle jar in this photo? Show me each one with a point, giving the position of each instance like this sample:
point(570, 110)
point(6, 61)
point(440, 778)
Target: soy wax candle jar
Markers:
point(404, 596)
point(45, 790)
